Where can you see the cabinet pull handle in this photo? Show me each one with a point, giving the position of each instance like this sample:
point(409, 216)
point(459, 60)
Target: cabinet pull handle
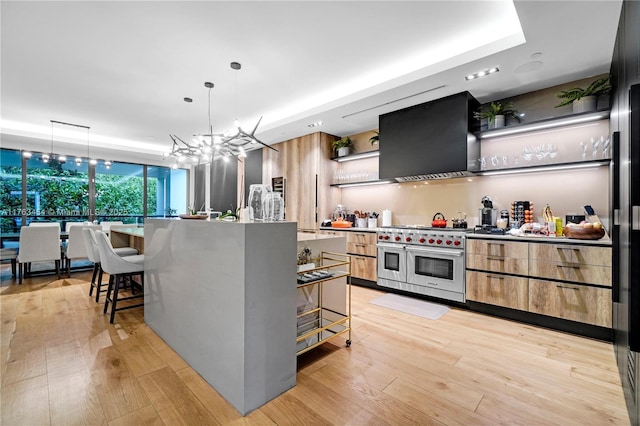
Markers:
point(360, 235)
point(360, 245)
point(572, 266)
point(500, 258)
point(497, 277)
point(567, 287)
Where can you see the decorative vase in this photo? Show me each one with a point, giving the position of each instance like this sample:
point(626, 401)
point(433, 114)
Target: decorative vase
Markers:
point(257, 195)
point(585, 104)
point(343, 151)
point(498, 121)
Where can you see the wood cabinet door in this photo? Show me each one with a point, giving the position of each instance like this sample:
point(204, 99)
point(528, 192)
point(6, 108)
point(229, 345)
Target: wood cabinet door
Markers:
point(591, 305)
point(328, 197)
point(500, 290)
point(300, 171)
point(365, 268)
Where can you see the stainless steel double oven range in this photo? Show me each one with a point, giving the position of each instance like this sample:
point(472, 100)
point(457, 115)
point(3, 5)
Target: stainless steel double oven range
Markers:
point(423, 260)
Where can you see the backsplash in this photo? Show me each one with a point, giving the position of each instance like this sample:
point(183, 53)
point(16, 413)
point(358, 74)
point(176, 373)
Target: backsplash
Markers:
point(567, 192)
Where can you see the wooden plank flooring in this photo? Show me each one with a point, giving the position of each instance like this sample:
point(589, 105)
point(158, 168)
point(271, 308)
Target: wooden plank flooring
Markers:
point(63, 363)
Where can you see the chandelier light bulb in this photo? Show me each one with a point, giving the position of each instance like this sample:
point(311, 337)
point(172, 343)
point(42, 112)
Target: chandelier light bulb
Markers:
point(107, 164)
point(62, 158)
point(78, 161)
point(45, 158)
point(93, 162)
point(175, 166)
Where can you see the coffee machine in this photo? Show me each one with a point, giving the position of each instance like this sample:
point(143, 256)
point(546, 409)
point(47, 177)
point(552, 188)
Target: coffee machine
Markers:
point(488, 215)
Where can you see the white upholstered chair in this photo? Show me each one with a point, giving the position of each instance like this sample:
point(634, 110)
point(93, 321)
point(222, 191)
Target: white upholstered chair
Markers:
point(93, 253)
point(76, 247)
point(10, 254)
point(118, 269)
point(38, 244)
point(106, 225)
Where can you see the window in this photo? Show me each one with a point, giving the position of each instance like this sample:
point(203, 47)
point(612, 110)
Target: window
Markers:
point(166, 191)
point(10, 190)
point(120, 192)
point(57, 191)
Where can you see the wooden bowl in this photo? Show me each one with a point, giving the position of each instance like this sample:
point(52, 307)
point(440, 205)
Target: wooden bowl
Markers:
point(193, 216)
point(583, 233)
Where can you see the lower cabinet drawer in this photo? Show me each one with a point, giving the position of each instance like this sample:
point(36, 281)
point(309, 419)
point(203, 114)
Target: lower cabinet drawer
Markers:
point(361, 248)
point(576, 272)
point(365, 268)
point(508, 265)
point(573, 302)
point(496, 289)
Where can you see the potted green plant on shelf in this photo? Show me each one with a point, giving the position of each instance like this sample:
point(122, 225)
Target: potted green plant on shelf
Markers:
point(497, 113)
point(375, 139)
point(584, 100)
point(342, 146)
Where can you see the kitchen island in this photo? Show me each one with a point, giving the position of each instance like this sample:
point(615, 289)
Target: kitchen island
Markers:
point(223, 296)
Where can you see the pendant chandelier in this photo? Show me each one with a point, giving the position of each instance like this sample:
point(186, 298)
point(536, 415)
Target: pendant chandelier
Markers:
point(207, 147)
point(52, 158)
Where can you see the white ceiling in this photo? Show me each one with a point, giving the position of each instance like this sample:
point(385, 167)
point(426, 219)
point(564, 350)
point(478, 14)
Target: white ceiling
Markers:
point(123, 68)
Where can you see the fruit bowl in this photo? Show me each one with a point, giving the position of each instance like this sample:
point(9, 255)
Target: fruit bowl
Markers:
point(580, 233)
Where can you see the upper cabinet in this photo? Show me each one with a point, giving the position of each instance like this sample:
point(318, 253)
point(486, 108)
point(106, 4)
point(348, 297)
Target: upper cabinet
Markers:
point(306, 166)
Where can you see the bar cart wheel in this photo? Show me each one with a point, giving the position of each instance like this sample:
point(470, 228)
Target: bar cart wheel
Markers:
point(348, 343)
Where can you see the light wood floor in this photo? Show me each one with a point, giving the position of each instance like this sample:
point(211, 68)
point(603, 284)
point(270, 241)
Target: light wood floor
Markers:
point(63, 363)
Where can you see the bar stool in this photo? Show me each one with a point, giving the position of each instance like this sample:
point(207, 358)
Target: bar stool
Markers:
point(93, 254)
point(118, 268)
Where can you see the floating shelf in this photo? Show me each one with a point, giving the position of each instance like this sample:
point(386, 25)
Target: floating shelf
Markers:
point(546, 124)
point(357, 156)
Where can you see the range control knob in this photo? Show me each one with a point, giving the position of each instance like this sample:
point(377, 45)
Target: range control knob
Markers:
point(380, 237)
point(422, 240)
point(386, 237)
point(431, 241)
point(448, 242)
point(438, 241)
point(456, 242)
point(408, 239)
point(397, 238)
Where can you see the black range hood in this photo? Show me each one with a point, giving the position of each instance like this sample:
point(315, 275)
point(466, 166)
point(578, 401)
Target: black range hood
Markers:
point(433, 140)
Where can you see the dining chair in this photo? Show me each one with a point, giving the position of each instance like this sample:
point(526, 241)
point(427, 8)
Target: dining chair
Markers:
point(118, 268)
point(106, 225)
point(69, 225)
point(10, 254)
point(76, 246)
point(93, 253)
point(38, 244)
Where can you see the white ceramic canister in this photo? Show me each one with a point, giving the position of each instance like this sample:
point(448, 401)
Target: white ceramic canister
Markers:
point(386, 217)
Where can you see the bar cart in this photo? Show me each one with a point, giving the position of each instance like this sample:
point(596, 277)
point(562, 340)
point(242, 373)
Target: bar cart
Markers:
point(317, 323)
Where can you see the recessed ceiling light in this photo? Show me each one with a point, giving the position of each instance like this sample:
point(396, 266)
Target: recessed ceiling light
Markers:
point(482, 73)
point(188, 100)
point(316, 124)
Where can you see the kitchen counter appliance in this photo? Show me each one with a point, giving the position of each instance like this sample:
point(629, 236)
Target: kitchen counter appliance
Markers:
point(423, 260)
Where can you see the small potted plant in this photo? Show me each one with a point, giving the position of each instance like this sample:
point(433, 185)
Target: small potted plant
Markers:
point(375, 139)
point(342, 146)
point(497, 114)
point(584, 100)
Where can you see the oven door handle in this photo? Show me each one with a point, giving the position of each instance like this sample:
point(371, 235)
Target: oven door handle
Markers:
point(391, 246)
point(447, 252)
